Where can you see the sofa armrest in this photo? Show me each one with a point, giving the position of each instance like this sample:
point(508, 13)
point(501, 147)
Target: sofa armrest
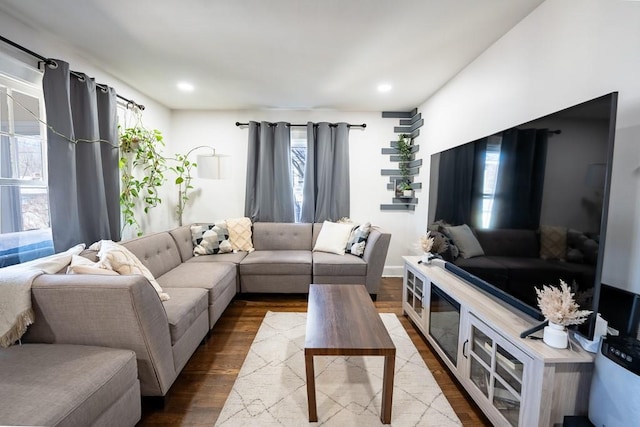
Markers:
point(109, 311)
point(375, 254)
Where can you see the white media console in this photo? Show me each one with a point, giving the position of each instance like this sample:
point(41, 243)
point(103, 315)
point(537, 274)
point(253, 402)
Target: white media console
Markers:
point(515, 381)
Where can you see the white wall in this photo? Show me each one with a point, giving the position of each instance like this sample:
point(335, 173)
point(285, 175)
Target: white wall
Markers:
point(225, 198)
point(563, 53)
point(155, 116)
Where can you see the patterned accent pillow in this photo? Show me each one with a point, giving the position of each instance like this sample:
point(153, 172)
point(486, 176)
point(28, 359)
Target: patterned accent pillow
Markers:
point(358, 239)
point(209, 239)
point(240, 234)
point(553, 242)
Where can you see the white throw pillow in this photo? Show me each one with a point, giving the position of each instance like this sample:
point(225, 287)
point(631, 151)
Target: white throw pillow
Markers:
point(118, 258)
point(333, 238)
point(465, 240)
point(82, 265)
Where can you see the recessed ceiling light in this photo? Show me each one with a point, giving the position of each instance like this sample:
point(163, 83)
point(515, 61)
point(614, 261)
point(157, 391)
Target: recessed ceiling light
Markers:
point(185, 86)
point(384, 87)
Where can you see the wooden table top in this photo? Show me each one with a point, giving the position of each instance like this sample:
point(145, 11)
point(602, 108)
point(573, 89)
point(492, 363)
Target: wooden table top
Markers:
point(342, 320)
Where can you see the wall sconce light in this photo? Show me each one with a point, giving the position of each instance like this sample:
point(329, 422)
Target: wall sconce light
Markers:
point(209, 166)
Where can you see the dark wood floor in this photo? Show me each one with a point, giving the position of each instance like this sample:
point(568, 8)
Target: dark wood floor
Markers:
point(199, 393)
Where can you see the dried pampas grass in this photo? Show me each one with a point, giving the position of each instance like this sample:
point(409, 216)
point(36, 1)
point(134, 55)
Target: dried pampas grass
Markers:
point(558, 305)
point(426, 242)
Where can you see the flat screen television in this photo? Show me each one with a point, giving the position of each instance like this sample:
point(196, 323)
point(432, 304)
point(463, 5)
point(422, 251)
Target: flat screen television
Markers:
point(534, 198)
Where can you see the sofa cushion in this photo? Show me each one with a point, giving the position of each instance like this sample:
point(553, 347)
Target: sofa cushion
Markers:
point(509, 242)
point(333, 238)
point(553, 242)
point(277, 262)
point(234, 258)
point(59, 384)
point(465, 240)
point(282, 236)
point(358, 239)
point(326, 264)
point(158, 252)
point(182, 237)
point(209, 239)
point(213, 276)
point(183, 309)
point(240, 234)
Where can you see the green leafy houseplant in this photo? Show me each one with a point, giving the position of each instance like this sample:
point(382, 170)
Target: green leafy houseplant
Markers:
point(404, 148)
point(183, 181)
point(142, 169)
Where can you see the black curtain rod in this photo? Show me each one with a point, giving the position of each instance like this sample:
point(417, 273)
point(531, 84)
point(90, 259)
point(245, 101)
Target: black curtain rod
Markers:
point(364, 125)
point(49, 61)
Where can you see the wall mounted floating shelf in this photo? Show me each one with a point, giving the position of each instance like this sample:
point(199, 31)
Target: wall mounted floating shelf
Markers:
point(410, 124)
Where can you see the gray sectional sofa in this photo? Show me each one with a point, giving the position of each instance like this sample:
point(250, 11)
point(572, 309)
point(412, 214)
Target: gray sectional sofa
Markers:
point(77, 313)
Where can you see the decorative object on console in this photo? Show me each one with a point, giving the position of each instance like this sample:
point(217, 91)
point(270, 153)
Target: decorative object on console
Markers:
point(426, 243)
point(560, 309)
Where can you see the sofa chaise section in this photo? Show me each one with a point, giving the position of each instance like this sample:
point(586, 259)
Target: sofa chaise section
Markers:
point(123, 312)
point(68, 385)
point(165, 253)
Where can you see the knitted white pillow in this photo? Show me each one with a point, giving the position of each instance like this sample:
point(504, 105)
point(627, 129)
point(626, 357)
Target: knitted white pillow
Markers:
point(118, 258)
point(240, 234)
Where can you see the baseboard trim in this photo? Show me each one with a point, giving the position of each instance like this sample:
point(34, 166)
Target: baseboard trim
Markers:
point(393, 271)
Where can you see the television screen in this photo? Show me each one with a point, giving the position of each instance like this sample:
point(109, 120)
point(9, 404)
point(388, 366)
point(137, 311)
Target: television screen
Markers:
point(526, 206)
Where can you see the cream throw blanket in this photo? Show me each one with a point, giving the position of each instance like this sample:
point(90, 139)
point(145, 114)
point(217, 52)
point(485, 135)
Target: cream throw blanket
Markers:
point(16, 313)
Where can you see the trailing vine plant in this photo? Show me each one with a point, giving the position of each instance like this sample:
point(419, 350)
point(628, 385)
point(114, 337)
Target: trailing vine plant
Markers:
point(142, 169)
point(404, 148)
point(183, 181)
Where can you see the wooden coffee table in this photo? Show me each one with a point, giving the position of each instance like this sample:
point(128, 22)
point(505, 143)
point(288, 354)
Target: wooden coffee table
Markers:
point(342, 321)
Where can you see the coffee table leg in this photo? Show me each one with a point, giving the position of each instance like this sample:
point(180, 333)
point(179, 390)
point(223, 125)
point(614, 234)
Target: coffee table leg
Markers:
point(387, 388)
point(311, 388)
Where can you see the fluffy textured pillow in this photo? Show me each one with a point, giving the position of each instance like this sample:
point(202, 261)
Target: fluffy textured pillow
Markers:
point(553, 242)
point(209, 239)
point(333, 238)
point(465, 240)
point(118, 258)
point(82, 265)
point(240, 234)
point(358, 239)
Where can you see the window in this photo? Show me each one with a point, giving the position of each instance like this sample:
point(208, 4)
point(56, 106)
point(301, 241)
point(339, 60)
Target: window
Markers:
point(491, 163)
point(25, 230)
point(298, 162)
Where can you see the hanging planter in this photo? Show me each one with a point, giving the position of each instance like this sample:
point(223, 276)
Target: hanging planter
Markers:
point(142, 169)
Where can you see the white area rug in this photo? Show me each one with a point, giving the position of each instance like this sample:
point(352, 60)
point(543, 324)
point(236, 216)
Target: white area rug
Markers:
point(271, 387)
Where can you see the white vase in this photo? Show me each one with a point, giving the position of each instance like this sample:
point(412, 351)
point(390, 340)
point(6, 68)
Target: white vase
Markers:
point(426, 258)
point(555, 336)
point(407, 193)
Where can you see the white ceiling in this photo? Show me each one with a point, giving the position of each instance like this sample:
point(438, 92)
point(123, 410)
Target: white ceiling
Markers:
point(283, 54)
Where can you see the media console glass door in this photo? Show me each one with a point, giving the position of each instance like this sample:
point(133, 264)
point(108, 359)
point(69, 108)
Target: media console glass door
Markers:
point(444, 322)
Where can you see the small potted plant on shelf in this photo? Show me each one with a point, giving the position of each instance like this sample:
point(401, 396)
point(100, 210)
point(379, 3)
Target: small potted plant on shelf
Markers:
point(405, 188)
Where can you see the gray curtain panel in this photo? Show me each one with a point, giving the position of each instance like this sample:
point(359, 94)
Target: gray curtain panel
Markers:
point(81, 179)
point(326, 180)
point(269, 191)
